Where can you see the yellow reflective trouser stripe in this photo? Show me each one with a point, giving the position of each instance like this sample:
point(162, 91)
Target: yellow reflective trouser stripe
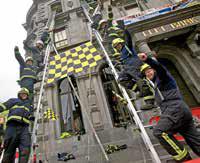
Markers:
point(20, 107)
point(3, 106)
point(27, 76)
point(18, 118)
point(181, 153)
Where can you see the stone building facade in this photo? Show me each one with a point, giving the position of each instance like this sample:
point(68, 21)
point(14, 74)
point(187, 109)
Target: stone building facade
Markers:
point(169, 36)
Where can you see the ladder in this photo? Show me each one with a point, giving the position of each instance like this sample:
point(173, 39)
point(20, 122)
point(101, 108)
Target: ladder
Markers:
point(50, 24)
point(143, 132)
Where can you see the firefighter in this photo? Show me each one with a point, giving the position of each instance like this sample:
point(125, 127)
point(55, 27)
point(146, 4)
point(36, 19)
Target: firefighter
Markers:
point(129, 58)
point(142, 85)
point(36, 52)
point(175, 114)
point(17, 127)
point(3, 117)
point(45, 38)
point(28, 72)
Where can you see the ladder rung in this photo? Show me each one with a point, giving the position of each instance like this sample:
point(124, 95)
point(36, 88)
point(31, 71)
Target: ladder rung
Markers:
point(157, 144)
point(149, 126)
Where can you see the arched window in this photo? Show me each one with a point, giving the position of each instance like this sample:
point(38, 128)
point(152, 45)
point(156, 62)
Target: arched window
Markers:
point(70, 110)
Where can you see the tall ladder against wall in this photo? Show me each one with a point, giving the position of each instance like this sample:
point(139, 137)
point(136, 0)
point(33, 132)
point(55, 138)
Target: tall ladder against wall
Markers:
point(50, 26)
point(143, 132)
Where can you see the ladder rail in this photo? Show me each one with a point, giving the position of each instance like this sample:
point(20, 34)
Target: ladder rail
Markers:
point(144, 134)
point(51, 24)
point(35, 125)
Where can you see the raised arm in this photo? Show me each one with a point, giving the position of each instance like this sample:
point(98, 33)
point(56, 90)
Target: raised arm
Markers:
point(19, 57)
point(162, 72)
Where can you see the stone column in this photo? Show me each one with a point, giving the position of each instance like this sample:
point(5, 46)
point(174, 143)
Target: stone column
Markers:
point(192, 44)
point(144, 48)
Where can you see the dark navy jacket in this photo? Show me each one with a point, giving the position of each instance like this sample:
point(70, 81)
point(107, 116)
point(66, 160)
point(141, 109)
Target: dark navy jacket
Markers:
point(131, 62)
point(36, 54)
point(165, 83)
point(19, 110)
point(26, 71)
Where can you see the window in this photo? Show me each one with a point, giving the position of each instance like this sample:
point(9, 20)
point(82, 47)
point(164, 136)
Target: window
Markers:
point(57, 6)
point(132, 9)
point(118, 110)
point(70, 110)
point(60, 38)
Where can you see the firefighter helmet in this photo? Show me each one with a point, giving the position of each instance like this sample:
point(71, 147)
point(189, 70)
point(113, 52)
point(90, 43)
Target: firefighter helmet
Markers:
point(29, 59)
point(116, 41)
point(40, 42)
point(24, 91)
point(144, 67)
point(101, 22)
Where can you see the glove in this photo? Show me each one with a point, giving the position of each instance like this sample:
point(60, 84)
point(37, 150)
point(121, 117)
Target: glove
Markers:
point(16, 49)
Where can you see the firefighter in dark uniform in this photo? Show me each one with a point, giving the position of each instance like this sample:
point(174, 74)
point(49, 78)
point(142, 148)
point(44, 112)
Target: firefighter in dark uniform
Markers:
point(132, 64)
point(28, 73)
point(142, 86)
point(36, 51)
point(175, 114)
point(128, 58)
point(17, 128)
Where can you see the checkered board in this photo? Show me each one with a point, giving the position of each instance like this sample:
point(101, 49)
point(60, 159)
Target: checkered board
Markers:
point(73, 61)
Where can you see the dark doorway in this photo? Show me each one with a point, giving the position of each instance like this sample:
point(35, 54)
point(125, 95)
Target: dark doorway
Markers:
point(187, 94)
point(118, 110)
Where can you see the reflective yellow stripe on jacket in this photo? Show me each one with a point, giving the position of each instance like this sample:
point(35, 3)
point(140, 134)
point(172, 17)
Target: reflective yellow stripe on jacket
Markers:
point(15, 117)
point(27, 76)
point(3, 106)
point(20, 107)
point(181, 153)
point(29, 69)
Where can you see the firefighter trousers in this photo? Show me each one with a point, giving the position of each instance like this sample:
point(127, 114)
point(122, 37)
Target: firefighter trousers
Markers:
point(17, 136)
point(177, 120)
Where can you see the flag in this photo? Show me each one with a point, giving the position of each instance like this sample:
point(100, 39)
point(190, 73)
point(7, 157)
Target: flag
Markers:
point(73, 61)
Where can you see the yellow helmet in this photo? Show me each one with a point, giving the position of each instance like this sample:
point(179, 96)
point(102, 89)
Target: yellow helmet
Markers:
point(116, 41)
point(23, 90)
point(144, 67)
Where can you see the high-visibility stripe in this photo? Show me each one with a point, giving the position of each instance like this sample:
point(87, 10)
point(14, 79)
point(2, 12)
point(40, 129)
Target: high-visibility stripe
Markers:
point(149, 97)
point(181, 153)
point(27, 76)
point(3, 106)
point(20, 107)
point(134, 87)
point(113, 34)
point(29, 69)
point(15, 117)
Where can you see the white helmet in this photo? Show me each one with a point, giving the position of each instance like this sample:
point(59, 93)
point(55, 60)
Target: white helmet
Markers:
point(40, 42)
point(101, 22)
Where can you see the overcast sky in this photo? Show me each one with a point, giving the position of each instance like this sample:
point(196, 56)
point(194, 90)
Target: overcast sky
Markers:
point(12, 16)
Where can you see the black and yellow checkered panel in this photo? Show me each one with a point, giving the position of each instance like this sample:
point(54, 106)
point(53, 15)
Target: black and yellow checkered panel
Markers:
point(73, 61)
point(50, 114)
